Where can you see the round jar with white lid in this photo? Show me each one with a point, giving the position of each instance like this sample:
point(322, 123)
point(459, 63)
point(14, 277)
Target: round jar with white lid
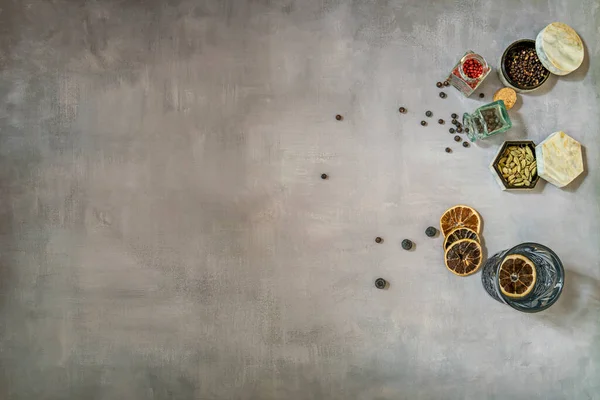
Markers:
point(558, 48)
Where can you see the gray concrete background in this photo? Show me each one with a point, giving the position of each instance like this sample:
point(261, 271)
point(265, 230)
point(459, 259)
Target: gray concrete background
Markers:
point(164, 233)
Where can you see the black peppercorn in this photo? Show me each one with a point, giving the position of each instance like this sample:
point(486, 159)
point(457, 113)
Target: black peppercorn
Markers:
point(459, 129)
point(423, 123)
point(454, 116)
point(378, 239)
point(439, 84)
point(324, 176)
point(448, 150)
point(428, 113)
point(339, 117)
point(451, 130)
point(442, 95)
point(457, 138)
point(402, 110)
point(524, 68)
point(430, 231)
point(466, 144)
point(407, 244)
point(380, 283)
point(441, 121)
point(446, 83)
point(481, 95)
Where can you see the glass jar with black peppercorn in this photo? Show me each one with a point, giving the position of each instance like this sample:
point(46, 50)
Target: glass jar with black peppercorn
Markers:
point(469, 72)
point(487, 120)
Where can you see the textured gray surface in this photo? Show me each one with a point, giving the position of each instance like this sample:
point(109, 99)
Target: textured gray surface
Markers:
point(164, 233)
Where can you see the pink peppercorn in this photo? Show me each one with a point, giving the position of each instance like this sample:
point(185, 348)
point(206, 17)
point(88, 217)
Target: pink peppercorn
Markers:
point(472, 68)
point(469, 72)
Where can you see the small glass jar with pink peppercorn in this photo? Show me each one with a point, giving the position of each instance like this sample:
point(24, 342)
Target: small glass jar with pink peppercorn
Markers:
point(469, 72)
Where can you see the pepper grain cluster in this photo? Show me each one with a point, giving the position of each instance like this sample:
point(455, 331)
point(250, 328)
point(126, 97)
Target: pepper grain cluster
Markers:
point(472, 68)
point(524, 68)
point(492, 120)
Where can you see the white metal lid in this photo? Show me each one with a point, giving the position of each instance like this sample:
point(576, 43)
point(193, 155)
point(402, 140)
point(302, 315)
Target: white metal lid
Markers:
point(559, 159)
point(559, 48)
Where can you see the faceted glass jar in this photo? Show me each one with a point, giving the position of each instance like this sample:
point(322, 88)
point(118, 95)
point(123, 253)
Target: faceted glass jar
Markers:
point(461, 81)
point(487, 120)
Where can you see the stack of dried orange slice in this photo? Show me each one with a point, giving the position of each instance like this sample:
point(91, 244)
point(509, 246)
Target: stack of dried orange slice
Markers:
point(461, 226)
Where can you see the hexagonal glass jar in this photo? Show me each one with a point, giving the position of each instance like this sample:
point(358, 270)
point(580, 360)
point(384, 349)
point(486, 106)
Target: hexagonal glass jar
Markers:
point(487, 120)
point(461, 81)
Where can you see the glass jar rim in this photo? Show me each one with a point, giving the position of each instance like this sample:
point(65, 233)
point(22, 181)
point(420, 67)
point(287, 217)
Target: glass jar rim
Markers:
point(467, 121)
point(470, 56)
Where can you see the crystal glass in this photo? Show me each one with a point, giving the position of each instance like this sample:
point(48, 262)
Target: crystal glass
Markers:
point(548, 285)
point(487, 120)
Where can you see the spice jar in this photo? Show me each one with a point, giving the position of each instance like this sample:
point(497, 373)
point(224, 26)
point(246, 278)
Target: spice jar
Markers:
point(469, 72)
point(520, 67)
point(526, 64)
point(486, 121)
point(557, 160)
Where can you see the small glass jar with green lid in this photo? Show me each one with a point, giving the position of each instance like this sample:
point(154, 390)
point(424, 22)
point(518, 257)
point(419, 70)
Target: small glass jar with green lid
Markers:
point(486, 121)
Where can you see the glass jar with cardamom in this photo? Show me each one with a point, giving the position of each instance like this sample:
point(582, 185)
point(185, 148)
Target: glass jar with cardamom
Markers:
point(486, 121)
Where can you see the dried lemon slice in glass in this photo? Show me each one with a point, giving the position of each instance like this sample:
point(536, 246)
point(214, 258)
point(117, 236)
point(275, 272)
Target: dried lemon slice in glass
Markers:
point(463, 257)
point(517, 276)
point(460, 217)
point(460, 233)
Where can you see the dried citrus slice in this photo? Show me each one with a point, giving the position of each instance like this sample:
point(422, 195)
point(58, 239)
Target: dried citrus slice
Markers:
point(463, 257)
point(517, 276)
point(460, 217)
point(460, 233)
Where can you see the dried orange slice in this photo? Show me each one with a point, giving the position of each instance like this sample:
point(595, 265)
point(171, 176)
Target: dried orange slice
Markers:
point(460, 233)
point(460, 217)
point(517, 276)
point(463, 257)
